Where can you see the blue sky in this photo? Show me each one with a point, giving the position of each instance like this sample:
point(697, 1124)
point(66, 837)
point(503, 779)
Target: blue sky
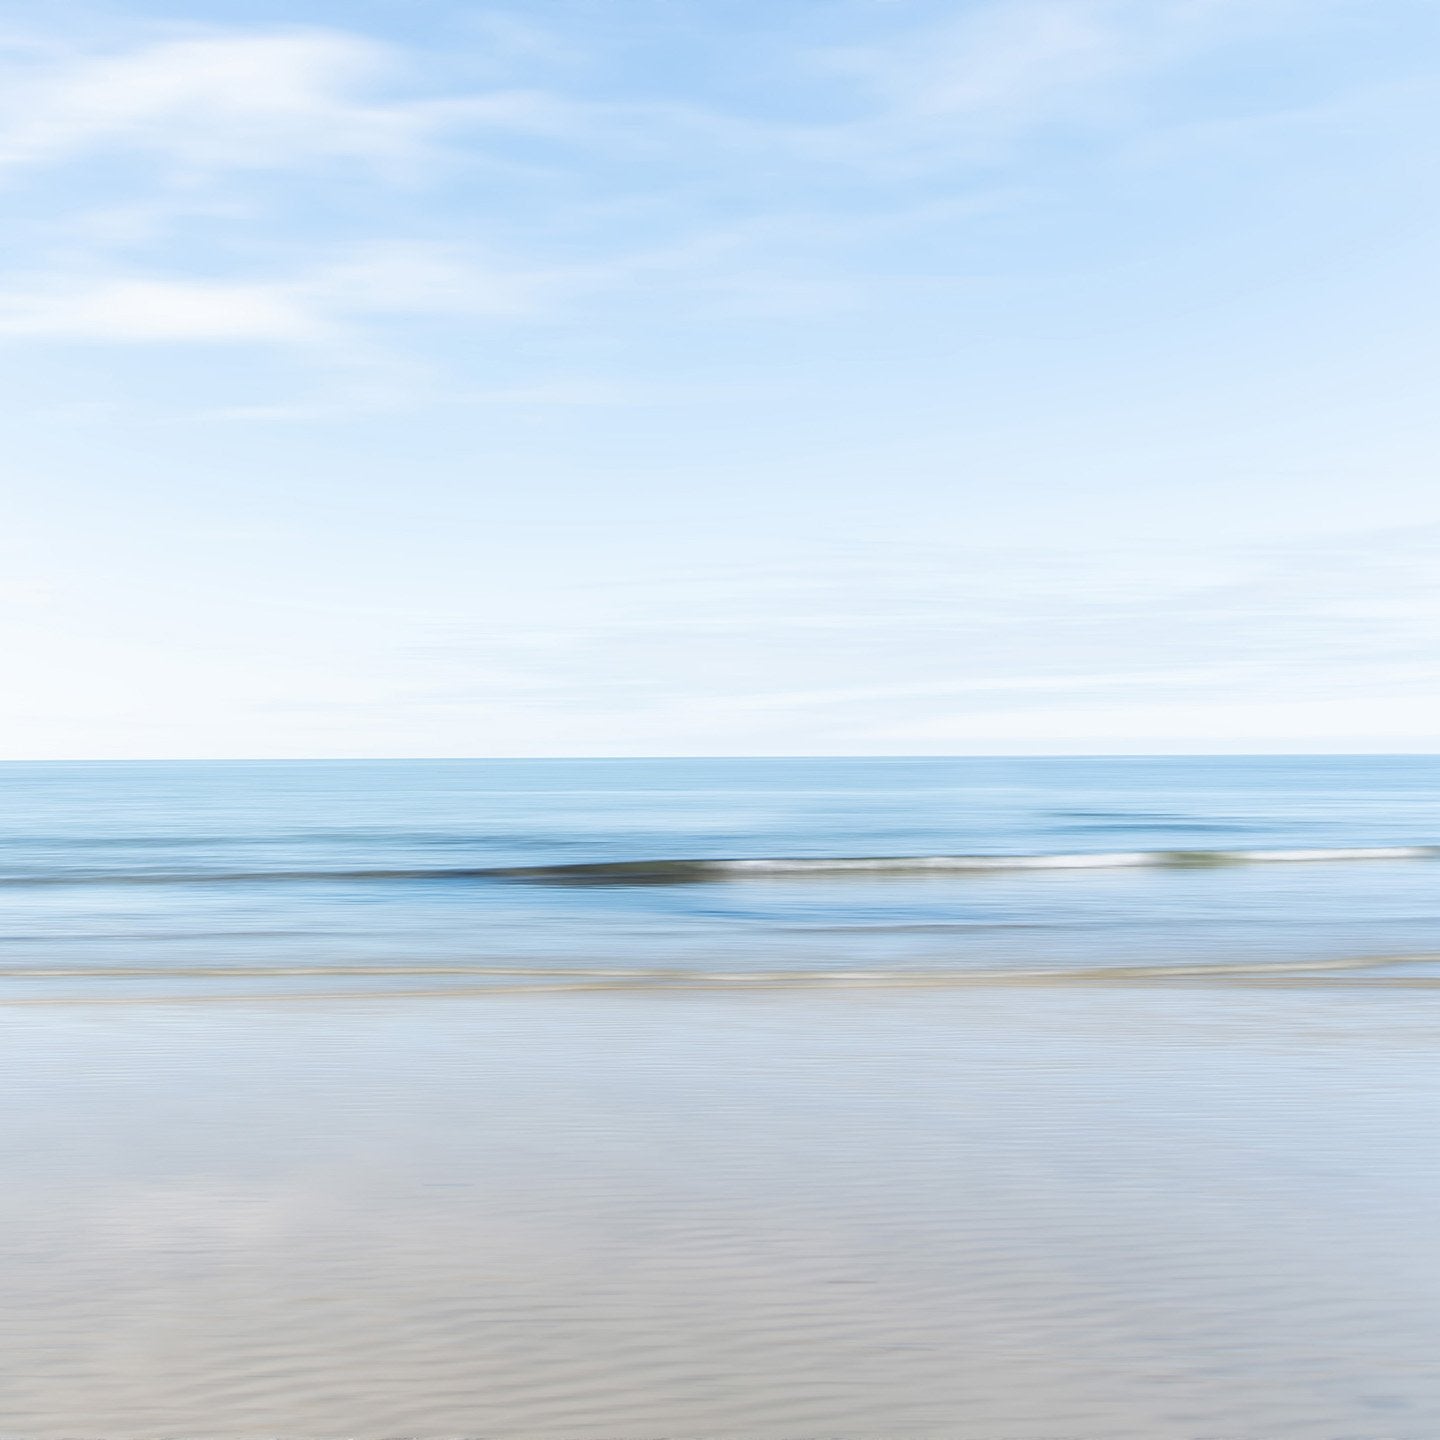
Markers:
point(647, 377)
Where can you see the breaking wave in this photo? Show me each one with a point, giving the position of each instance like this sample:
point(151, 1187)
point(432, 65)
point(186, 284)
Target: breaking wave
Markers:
point(701, 871)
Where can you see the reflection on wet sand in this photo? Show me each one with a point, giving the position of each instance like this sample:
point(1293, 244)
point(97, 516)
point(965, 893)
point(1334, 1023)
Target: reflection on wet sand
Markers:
point(1108, 1210)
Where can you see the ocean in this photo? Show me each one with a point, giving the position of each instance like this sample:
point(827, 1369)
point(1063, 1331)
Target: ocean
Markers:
point(948, 1099)
point(208, 880)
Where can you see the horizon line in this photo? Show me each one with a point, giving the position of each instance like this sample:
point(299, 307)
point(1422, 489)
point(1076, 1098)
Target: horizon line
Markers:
point(624, 759)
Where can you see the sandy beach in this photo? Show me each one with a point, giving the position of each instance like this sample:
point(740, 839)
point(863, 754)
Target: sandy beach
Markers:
point(1117, 1213)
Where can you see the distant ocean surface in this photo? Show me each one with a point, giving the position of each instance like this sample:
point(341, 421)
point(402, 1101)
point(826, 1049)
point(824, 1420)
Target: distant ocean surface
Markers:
point(215, 880)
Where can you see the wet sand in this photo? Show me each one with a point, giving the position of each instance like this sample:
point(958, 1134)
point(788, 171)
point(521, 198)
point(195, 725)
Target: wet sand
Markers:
point(1025, 1213)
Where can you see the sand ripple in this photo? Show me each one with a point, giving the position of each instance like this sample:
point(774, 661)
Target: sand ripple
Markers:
point(1073, 1212)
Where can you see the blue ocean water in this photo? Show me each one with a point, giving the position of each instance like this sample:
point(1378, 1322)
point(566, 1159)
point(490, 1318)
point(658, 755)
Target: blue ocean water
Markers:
point(248, 879)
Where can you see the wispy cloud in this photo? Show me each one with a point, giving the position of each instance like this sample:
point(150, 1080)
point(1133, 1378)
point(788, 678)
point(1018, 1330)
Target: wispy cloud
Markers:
point(932, 650)
point(997, 71)
point(311, 308)
point(262, 101)
point(129, 310)
point(254, 172)
point(1006, 63)
point(278, 99)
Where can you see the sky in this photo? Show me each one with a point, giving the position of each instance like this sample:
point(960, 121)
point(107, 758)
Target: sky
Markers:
point(685, 377)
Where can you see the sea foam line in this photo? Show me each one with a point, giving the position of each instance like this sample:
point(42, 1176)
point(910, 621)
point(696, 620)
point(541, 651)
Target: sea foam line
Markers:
point(503, 980)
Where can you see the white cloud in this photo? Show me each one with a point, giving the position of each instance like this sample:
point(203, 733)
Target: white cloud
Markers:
point(160, 310)
point(1004, 68)
point(214, 114)
point(314, 306)
point(274, 100)
point(259, 100)
point(1004, 61)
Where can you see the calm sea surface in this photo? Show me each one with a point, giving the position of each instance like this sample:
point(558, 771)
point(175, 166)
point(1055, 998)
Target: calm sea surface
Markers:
point(734, 1100)
point(232, 878)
